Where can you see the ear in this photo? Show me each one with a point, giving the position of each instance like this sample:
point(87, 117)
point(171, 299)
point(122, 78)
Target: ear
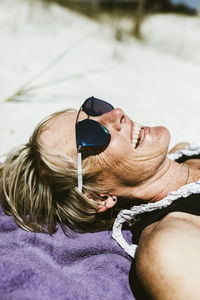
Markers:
point(107, 204)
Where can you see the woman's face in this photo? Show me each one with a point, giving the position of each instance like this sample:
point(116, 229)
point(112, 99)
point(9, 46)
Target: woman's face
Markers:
point(133, 155)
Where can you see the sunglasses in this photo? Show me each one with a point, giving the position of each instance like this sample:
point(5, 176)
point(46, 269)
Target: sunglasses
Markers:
point(90, 133)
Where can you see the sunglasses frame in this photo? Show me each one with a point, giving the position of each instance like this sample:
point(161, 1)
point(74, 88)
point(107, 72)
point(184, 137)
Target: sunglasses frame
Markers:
point(79, 147)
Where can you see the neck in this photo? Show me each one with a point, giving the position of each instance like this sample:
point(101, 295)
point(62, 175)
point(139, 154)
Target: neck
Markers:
point(169, 177)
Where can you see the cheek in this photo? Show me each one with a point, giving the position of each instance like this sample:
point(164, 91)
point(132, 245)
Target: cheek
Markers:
point(112, 161)
point(121, 164)
point(118, 150)
point(132, 166)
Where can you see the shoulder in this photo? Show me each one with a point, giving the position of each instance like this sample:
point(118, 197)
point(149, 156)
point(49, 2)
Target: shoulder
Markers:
point(194, 163)
point(183, 213)
point(168, 256)
point(177, 233)
point(170, 224)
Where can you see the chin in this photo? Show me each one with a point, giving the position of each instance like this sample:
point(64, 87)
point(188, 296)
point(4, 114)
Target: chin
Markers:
point(165, 133)
point(161, 130)
point(159, 133)
point(159, 137)
point(163, 136)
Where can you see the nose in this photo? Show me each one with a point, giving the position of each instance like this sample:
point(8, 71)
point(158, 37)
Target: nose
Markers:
point(115, 119)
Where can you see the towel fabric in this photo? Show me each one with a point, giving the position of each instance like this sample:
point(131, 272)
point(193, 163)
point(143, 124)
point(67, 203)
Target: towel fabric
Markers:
point(38, 266)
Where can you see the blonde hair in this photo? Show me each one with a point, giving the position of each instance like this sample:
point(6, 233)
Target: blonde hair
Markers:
point(39, 189)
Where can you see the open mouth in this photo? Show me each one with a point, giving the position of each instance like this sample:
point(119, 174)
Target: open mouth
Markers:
point(138, 135)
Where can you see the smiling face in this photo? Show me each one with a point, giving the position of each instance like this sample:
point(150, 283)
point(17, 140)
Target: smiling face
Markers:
point(134, 153)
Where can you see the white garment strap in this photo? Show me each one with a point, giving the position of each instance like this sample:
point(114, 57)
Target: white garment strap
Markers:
point(124, 215)
point(80, 176)
point(190, 150)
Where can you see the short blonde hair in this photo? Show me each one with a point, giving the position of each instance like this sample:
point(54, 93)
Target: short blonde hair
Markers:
point(40, 191)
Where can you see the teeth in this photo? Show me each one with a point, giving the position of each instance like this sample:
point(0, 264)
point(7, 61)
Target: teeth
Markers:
point(142, 135)
point(136, 131)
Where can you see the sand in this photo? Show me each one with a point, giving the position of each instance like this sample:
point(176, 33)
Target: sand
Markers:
point(155, 81)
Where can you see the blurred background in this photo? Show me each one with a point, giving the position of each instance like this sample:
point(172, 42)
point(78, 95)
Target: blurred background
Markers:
point(140, 55)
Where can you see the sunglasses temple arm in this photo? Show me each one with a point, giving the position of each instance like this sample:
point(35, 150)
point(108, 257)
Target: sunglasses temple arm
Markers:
point(80, 176)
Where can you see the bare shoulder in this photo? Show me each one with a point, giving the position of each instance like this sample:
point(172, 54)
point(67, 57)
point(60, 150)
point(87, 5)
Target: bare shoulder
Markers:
point(179, 146)
point(176, 226)
point(169, 254)
point(194, 163)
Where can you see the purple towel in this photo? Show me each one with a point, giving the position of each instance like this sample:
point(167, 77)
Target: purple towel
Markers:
point(39, 266)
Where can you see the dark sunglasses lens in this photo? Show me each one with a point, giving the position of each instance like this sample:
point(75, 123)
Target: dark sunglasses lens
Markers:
point(91, 133)
point(96, 107)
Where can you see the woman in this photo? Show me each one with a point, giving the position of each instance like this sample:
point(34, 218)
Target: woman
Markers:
point(75, 167)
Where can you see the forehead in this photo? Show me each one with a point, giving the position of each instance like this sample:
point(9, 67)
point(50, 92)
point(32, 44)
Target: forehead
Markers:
point(58, 134)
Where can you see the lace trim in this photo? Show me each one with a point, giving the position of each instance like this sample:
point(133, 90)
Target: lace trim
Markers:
point(188, 151)
point(132, 213)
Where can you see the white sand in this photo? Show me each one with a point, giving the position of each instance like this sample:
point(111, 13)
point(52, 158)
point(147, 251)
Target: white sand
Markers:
point(155, 82)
